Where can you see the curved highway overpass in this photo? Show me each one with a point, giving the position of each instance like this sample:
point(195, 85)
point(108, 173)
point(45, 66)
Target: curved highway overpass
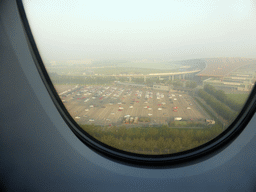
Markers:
point(181, 75)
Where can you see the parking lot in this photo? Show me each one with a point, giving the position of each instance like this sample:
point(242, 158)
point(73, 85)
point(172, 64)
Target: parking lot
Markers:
point(108, 105)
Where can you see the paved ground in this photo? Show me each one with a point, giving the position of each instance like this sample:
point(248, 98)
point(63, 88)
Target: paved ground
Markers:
point(100, 105)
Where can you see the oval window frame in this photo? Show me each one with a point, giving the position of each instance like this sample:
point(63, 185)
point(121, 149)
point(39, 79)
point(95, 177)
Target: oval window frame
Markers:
point(183, 158)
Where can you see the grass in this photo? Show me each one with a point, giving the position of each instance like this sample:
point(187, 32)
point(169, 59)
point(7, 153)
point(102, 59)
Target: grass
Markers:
point(239, 98)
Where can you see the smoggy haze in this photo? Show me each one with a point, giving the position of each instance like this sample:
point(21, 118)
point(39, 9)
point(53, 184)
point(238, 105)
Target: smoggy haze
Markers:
point(172, 30)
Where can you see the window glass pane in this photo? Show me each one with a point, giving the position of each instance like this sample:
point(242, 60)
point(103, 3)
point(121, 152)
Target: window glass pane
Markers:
point(148, 77)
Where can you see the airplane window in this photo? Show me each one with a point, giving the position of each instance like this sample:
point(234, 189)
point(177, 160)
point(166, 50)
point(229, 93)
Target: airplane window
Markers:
point(148, 78)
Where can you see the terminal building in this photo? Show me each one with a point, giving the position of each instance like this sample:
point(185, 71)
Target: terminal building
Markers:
point(242, 79)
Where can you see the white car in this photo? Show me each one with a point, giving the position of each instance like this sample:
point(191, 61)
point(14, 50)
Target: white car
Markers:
point(127, 116)
point(91, 120)
point(175, 99)
point(145, 107)
point(149, 108)
point(77, 117)
point(159, 109)
point(149, 114)
point(86, 109)
point(131, 107)
point(188, 108)
point(91, 106)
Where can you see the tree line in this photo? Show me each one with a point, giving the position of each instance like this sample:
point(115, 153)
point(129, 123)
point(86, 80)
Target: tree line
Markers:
point(152, 140)
point(220, 108)
point(221, 96)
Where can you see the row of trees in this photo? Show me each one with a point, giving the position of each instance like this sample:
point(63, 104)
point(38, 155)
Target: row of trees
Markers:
point(63, 79)
point(186, 124)
point(162, 140)
point(191, 84)
point(218, 106)
point(221, 96)
point(177, 83)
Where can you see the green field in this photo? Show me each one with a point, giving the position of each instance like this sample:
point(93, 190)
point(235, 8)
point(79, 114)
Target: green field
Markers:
point(240, 98)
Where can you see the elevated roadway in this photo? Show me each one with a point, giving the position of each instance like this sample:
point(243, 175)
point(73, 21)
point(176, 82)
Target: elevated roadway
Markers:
point(181, 75)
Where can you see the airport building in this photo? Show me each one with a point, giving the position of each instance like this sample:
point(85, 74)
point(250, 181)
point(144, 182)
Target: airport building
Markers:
point(242, 79)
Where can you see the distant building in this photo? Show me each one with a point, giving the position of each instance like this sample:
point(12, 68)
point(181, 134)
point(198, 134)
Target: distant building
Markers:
point(242, 79)
point(161, 87)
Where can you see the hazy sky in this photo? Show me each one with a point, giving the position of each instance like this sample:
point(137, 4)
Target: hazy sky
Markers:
point(167, 29)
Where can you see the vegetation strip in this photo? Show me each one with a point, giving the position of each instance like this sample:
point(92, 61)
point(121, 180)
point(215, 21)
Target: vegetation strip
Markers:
point(162, 140)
